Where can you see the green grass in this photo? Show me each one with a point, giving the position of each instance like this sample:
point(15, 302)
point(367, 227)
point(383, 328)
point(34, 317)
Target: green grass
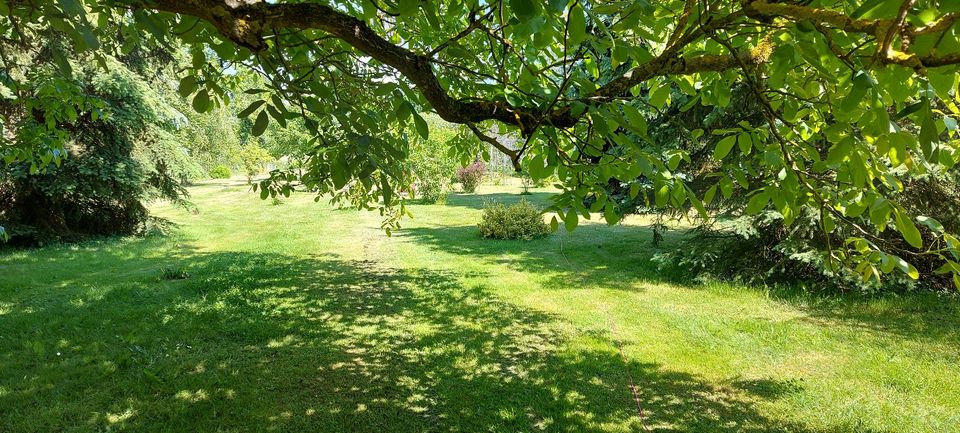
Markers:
point(301, 317)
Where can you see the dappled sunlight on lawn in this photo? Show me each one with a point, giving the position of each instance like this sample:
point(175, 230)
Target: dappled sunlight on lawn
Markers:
point(265, 341)
point(318, 321)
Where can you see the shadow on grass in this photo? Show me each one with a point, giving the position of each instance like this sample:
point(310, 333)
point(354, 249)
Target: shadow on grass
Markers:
point(619, 258)
point(921, 316)
point(480, 200)
point(266, 342)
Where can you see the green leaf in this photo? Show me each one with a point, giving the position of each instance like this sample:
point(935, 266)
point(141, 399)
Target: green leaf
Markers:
point(658, 97)
point(188, 85)
point(260, 125)
point(523, 9)
point(697, 204)
point(928, 131)
point(570, 220)
point(839, 151)
point(386, 189)
point(610, 214)
point(277, 115)
point(861, 83)
point(876, 9)
point(421, 125)
point(906, 267)
point(407, 7)
point(724, 146)
point(201, 102)
point(906, 228)
point(758, 202)
point(931, 224)
point(726, 187)
point(403, 111)
point(745, 142)
point(251, 108)
point(710, 194)
point(577, 28)
point(637, 123)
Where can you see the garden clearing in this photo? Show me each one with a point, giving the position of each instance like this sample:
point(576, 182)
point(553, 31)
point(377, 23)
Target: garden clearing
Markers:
point(253, 316)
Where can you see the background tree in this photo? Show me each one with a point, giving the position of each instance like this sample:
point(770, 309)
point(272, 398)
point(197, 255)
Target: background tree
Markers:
point(110, 140)
point(253, 158)
point(855, 96)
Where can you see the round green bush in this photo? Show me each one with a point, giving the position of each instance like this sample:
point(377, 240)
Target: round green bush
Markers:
point(520, 220)
point(220, 172)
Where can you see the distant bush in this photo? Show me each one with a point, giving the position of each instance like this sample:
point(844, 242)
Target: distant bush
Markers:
point(433, 178)
point(471, 175)
point(518, 221)
point(432, 191)
point(253, 158)
point(220, 172)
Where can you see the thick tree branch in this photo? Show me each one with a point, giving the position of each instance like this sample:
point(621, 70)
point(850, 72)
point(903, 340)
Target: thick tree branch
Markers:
point(246, 22)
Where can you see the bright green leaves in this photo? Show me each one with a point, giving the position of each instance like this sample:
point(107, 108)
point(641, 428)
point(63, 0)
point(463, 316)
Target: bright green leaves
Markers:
point(724, 146)
point(928, 130)
point(840, 151)
point(906, 228)
point(835, 146)
point(538, 168)
point(577, 26)
point(758, 201)
point(873, 9)
point(407, 7)
point(659, 95)
point(861, 83)
point(744, 140)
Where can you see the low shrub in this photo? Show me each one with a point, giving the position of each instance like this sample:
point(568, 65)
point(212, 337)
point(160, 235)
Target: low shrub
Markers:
point(170, 274)
point(471, 176)
point(520, 220)
point(220, 172)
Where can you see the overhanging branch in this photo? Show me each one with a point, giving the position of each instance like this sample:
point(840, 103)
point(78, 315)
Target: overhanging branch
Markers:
point(246, 22)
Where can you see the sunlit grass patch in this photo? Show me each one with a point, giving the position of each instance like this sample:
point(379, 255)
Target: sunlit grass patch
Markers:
point(303, 318)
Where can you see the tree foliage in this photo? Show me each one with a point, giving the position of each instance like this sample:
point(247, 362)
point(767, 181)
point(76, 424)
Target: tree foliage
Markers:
point(854, 97)
point(253, 158)
point(120, 155)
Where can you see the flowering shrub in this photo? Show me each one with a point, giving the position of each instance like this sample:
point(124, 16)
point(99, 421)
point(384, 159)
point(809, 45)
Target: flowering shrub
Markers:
point(471, 175)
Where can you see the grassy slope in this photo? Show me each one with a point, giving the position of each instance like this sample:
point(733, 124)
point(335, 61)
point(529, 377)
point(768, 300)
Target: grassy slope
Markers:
point(301, 316)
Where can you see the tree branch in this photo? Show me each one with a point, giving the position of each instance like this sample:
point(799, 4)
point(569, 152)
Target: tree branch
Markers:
point(246, 22)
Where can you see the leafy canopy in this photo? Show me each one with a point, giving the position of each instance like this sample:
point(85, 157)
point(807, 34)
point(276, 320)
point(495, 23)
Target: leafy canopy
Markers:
point(856, 95)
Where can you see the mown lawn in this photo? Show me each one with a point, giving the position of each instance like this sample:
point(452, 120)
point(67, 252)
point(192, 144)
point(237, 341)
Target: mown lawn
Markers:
point(301, 317)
